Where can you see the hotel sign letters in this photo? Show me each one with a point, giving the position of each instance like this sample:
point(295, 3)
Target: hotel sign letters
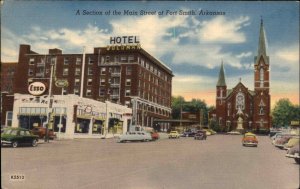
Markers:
point(124, 43)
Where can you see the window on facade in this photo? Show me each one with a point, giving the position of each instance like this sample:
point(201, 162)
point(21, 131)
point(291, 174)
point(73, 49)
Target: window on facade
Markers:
point(128, 82)
point(89, 82)
point(66, 71)
point(103, 70)
point(9, 116)
point(78, 61)
point(89, 92)
point(53, 60)
point(261, 77)
point(261, 110)
point(147, 66)
point(116, 80)
point(107, 59)
point(66, 61)
point(91, 60)
point(77, 71)
point(90, 71)
point(102, 92)
point(82, 126)
point(130, 58)
point(76, 91)
point(143, 62)
point(228, 109)
point(77, 82)
point(128, 70)
point(30, 72)
point(123, 58)
point(102, 82)
point(240, 101)
point(127, 92)
point(31, 61)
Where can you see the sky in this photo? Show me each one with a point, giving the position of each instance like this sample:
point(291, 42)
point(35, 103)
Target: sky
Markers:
point(193, 46)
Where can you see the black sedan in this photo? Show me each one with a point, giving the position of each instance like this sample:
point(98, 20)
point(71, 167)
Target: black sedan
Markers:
point(18, 136)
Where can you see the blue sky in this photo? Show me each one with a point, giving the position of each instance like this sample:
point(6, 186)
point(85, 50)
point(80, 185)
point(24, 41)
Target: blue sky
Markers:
point(193, 46)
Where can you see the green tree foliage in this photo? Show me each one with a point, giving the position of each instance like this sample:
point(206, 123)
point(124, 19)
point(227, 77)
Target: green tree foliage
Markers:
point(193, 106)
point(284, 112)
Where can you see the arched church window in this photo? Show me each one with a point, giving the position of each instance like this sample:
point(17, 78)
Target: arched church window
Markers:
point(261, 77)
point(240, 101)
point(261, 110)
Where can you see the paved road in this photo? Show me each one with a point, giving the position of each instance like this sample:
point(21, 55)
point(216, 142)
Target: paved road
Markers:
point(219, 162)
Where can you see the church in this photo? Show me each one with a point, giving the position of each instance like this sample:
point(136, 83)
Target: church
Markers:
point(240, 108)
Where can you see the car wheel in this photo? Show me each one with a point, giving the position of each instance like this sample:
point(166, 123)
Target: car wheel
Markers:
point(15, 144)
point(297, 160)
point(34, 143)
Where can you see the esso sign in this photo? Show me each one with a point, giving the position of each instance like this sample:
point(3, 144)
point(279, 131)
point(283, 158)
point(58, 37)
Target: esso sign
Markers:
point(37, 88)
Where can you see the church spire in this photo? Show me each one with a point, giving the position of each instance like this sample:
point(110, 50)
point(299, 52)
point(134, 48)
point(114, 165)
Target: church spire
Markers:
point(221, 81)
point(262, 40)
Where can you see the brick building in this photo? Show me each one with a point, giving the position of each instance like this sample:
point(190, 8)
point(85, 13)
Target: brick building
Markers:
point(122, 74)
point(7, 78)
point(243, 109)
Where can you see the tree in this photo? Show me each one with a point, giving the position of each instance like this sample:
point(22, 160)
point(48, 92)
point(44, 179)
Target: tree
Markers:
point(284, 112)
point(195, 105)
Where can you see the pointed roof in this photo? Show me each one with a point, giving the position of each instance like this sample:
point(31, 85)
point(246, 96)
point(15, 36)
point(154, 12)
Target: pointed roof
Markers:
point(262, 45)
point(262, 40)
point(221, 81)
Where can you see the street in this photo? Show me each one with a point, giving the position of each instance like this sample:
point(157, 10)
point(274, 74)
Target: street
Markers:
point(219, 162)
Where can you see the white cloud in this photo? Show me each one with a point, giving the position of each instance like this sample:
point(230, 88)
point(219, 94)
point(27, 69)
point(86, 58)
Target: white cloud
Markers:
point(222, 30)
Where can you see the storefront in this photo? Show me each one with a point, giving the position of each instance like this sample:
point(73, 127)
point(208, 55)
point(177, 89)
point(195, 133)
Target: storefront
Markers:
point(73, 117)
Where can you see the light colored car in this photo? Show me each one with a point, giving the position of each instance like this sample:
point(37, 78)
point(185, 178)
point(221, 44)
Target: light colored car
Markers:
point(294, 153)
point(174, 134)
point(292, 142)
point(135, 136)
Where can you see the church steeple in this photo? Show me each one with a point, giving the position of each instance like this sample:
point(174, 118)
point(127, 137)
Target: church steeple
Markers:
point(262, 45)
point(221, 81)
point(262, 40)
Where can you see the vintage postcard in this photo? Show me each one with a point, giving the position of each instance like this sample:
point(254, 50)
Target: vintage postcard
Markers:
point(149, 94)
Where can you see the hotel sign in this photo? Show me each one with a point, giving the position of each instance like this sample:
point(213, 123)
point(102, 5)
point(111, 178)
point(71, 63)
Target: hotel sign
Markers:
point(124, 43)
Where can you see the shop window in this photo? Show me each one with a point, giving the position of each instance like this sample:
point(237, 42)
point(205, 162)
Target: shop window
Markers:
point(97, 126)
point(82, 125)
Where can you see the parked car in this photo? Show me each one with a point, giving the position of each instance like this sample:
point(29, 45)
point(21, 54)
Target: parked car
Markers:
point(18, 136)
point(234, 133)
point(188, 134)
point(174, 134)
point(135, 136)
point(292, 142)
point(154, 135)
point(41, 132)
point(294, 153)
point(200, 135)
point(282, 141)
point(250, 140)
